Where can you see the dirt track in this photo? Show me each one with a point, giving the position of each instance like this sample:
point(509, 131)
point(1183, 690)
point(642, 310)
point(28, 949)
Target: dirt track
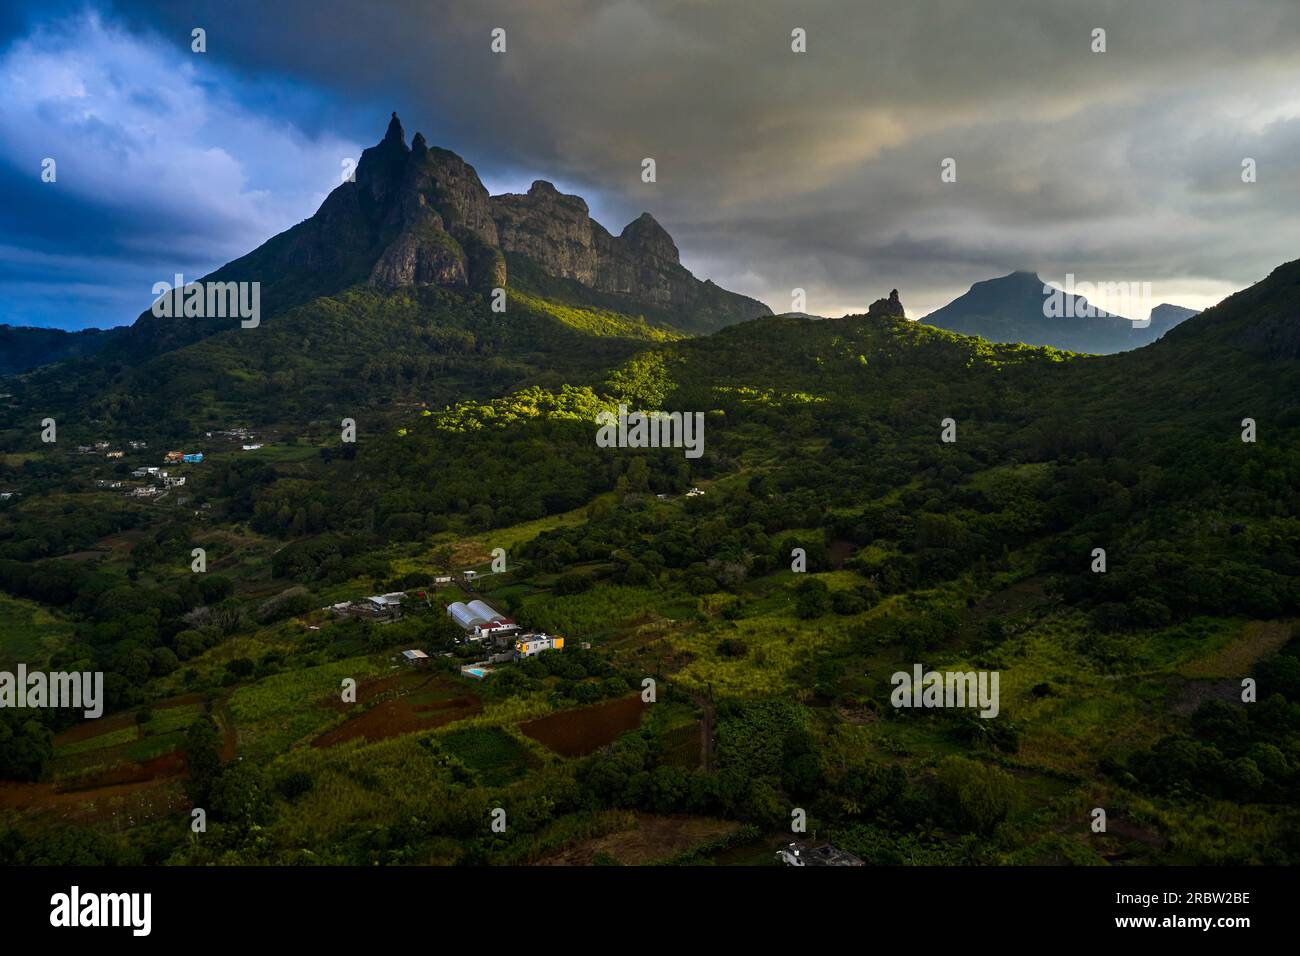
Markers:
point(653, 838)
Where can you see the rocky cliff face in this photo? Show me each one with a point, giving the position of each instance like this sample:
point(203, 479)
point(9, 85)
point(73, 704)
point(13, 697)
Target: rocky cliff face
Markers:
point(556, 232)
point(890, 307)
point(418, 215)
point(642, 262)
point(435, 215)
point(410, 216)
point(552, 229)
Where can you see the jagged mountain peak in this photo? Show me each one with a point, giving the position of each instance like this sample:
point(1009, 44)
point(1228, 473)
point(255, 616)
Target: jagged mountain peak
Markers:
point(645, 234)
point(420, 215)
point(645, 221)
point(891, 307)
point(395, 132)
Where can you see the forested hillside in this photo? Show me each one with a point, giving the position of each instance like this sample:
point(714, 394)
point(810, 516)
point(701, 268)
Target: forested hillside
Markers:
point(873, 494)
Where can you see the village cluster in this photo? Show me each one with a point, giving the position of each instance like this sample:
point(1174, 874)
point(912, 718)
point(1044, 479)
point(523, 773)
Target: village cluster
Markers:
point(103, 447)
point(242, 435)
point(158, 480)
point(502, 639)
point(693, 492)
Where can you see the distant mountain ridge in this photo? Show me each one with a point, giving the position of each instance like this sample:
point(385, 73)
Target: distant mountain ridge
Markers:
point(1010, 308)
point(1166, 316)
point(23, 348)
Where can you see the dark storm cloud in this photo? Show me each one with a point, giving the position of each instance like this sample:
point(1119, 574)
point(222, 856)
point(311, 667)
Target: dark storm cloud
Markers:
point(163, 164)
point(821, 170)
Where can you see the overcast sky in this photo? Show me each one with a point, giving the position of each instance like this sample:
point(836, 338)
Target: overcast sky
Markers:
point(776, 170)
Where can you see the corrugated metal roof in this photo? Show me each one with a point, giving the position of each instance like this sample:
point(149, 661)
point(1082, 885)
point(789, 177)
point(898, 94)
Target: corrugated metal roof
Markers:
point(463, 616)
point(485, 611)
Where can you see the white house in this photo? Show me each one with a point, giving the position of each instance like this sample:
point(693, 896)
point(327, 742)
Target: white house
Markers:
point(531, 644)
point(386, 602)
point(498, 630)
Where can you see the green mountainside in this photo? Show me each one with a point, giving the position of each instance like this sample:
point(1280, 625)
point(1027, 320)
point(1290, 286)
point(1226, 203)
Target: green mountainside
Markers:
point(475, 431)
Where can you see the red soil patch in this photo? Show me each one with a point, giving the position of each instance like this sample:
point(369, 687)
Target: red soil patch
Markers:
point(106, 725)
point(575, 733)
point(170, 764)
point(125, 802)
point(392, 718)
point(366, 691)
point(128, 804)
point(468, 701)
point(397, 714)
point(126, 794)
point(124, 776)
point(93, 728)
